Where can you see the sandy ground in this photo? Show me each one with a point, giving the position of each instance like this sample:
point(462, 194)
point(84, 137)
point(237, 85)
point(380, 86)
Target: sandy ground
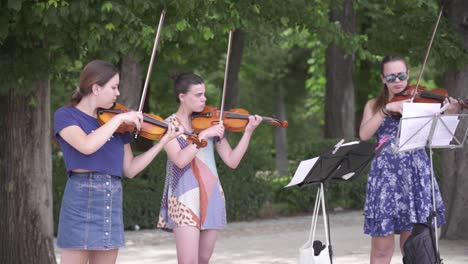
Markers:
point(274, 241)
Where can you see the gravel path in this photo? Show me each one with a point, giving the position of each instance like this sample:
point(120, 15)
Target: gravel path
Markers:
point(274, 241)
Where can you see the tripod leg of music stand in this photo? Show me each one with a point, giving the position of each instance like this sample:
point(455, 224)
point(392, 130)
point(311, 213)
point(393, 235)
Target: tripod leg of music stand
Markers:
point(434, 207)
point(326, 222)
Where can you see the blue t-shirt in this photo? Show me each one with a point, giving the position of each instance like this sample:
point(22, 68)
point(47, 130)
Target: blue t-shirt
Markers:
point(108, 159)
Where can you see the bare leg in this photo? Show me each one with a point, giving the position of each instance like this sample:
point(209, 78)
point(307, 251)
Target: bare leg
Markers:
point(72, 256)
point(403, 237)
point(103, 256)
point(187, 244)
point(207, 244)
point(382, 249)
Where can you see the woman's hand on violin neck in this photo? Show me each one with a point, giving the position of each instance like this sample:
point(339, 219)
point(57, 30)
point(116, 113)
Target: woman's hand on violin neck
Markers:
point(171, 133)
point(254, 121)
point(453, 107)
point(213, 131)
point(132, 118)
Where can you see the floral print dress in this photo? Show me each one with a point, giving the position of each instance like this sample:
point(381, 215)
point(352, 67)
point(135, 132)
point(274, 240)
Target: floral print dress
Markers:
point(399, 190)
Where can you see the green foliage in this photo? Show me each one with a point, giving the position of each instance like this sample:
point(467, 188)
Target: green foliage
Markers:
point(294, 200)
point(142, 195)
point(245, 194)
point(405, 27)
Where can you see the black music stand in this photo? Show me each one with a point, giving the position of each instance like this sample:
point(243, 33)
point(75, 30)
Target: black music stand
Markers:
point(342, 162)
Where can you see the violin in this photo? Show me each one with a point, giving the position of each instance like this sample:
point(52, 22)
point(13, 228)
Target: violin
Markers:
point(153, 127)
point(234, 120)
point(422, 95)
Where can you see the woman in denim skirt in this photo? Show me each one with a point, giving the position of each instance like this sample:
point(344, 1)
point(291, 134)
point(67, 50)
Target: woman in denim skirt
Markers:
point(96, 157)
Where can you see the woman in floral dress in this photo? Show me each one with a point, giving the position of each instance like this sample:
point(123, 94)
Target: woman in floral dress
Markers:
point(399, 184)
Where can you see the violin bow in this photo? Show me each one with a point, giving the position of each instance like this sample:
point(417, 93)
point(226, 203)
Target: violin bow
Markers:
point(150, 67)
point(427, 53)
point(226, 69)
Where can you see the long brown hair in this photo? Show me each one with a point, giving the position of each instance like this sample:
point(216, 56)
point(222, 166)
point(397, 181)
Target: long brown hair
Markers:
point(95, 72)
point(383, 97)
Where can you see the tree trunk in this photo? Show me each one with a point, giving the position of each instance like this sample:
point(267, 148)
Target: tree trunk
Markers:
point(131, 88)
point(455, 183)
point(290, 87)
point(339, 98)
point(131, 82)
point(26, 222)
point(232, 89)
point(365, 74)
point(280, 135)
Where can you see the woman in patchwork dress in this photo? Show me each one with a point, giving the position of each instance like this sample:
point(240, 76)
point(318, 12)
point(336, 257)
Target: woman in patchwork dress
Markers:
point(193, 205)
point(399, 185)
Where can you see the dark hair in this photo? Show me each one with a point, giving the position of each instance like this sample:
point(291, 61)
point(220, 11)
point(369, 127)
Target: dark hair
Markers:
point(182, 82)
point(383, 97)
point(95, 72)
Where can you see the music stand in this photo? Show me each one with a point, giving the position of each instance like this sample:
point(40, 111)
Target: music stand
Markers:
point(342, 162)
point(434, 131)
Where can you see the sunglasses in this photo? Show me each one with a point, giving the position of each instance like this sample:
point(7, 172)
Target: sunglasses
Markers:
point(391, 78)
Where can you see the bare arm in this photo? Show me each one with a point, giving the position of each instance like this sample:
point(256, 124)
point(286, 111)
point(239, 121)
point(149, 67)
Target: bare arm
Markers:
point(134, 165)
point(232, 157)
point(88, 144)
point(370, 121)
point(182, 157)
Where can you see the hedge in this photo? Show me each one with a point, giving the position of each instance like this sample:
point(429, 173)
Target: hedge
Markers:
point(252, 190)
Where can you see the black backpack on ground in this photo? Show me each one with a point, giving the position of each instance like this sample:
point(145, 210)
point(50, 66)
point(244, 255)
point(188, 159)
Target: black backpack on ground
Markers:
point(420, 247)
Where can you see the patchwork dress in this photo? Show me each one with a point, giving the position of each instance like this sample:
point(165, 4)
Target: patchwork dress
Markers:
point(193, 195)
point(399, 190)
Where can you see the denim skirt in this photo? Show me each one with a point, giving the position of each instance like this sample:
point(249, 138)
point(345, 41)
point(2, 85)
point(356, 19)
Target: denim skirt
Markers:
point(91, 213)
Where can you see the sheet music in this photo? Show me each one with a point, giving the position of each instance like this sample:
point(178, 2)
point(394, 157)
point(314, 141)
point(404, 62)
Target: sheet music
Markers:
point(443, 134)
point(415, 131)
point(347, 176)
point(350, 143)
point(304, 167)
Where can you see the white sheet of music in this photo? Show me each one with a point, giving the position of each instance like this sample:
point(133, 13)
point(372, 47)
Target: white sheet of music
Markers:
point(415, 131)
point(444, 130)
point(304, 167)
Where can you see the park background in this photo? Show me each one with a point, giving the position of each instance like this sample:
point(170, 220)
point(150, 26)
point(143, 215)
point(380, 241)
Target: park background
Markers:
point(314, 63)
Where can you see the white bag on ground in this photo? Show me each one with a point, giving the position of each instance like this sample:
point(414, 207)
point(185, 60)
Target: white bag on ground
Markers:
point(314, 251)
